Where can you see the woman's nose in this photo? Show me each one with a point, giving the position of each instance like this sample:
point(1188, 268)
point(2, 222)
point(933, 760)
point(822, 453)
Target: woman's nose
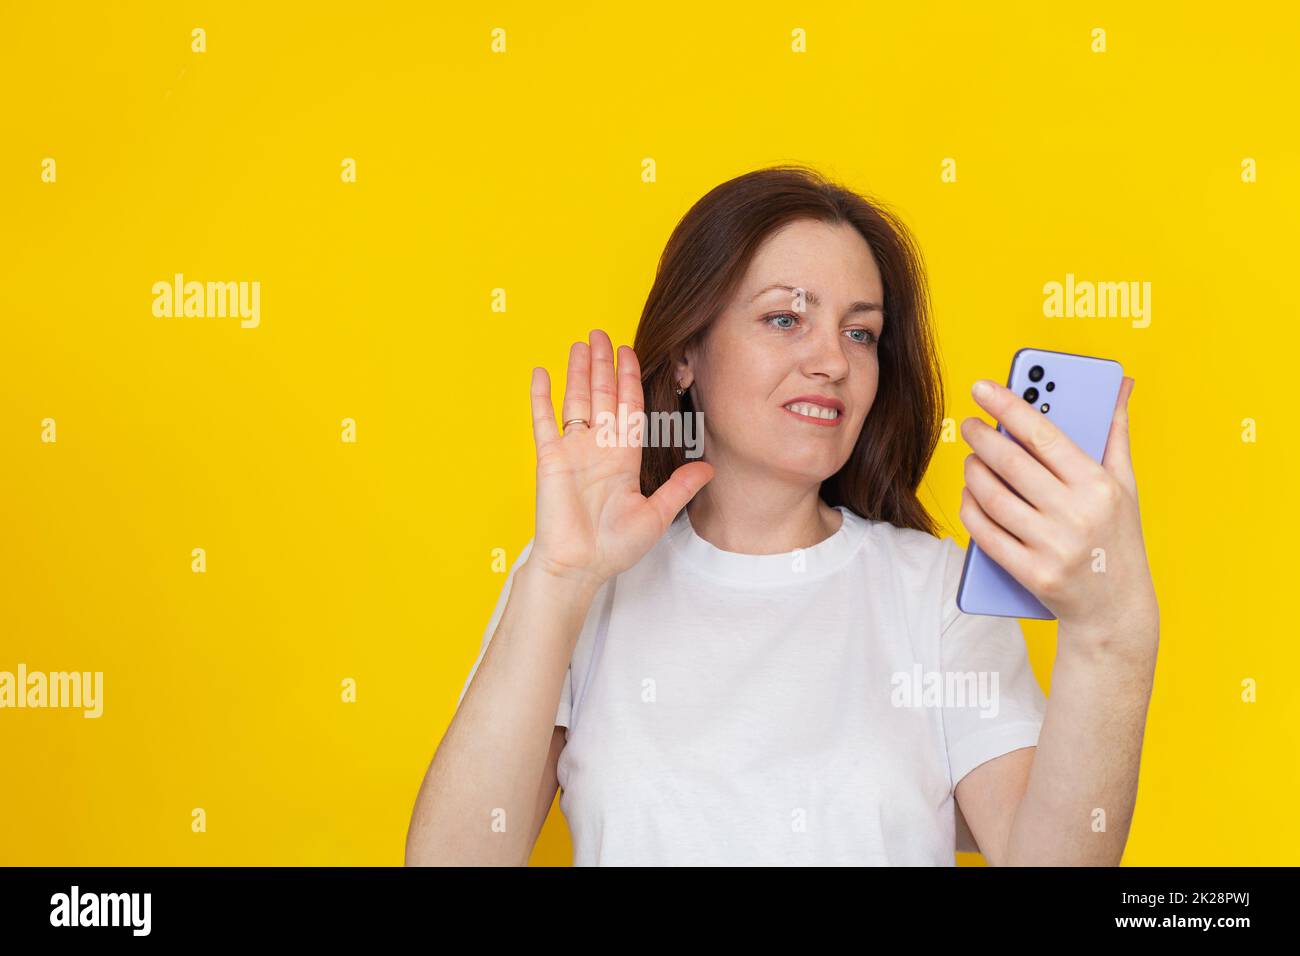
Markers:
point(826, 355)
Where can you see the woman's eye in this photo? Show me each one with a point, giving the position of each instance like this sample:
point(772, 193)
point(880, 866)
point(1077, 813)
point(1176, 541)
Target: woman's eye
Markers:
point(787, 320)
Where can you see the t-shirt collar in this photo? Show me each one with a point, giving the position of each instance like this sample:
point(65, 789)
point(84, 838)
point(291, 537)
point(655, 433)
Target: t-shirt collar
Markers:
point(787, 567)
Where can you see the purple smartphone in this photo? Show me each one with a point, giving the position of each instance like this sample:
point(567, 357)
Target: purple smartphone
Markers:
point(1079, 393)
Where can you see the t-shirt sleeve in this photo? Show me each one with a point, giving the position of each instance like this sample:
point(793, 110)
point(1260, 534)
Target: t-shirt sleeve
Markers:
point(1003, 708)
point(566, 690)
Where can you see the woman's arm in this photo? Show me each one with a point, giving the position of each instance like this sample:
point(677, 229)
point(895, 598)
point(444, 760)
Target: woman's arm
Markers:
point(478, 802)
point(1074, 539)
point(1078, 804)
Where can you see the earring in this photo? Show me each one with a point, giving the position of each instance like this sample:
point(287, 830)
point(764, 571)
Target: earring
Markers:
point(679, 390)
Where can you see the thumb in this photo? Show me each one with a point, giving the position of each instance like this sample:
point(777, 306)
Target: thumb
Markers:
point(1117, 458)
point(672, 496)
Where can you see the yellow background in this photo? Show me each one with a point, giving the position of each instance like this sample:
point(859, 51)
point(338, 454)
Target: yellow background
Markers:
point(522, 171)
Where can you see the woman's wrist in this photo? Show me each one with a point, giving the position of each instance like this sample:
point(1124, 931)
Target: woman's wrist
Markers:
point(1128, 633)
point(559, 582)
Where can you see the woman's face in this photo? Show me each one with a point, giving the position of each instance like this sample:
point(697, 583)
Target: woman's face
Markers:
point(803, 325)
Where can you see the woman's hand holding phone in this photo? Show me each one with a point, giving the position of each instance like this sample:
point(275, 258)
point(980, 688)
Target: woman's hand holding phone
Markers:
point(1071, 512)
point(592, 520)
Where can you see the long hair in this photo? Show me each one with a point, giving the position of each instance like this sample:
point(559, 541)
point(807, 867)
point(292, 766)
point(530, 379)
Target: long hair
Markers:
point(705, 259)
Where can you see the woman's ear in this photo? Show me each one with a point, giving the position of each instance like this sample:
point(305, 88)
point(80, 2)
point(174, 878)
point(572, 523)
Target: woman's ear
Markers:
point(683, 376)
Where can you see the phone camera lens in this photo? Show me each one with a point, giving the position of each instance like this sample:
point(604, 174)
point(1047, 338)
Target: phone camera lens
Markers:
point(1031, 395)
point(1035, 373)
point(1046, 408)
point(1050, 385)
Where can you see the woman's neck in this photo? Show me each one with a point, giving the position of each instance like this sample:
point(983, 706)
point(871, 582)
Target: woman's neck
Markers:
point(767, 518)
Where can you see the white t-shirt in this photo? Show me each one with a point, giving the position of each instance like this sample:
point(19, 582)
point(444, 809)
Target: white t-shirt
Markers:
point(810, 708)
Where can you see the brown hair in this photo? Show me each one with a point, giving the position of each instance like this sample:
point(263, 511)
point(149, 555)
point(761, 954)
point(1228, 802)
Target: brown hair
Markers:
point(703, 262)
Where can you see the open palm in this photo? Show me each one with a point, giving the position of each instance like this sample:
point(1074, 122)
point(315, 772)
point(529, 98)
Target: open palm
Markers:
point(592, 520)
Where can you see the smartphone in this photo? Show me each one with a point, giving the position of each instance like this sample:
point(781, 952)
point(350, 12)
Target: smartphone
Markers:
point(1078, 393)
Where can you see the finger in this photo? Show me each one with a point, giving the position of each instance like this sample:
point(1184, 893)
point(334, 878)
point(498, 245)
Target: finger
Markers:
point(544, 429)
point(671, 497)
point(630, 392)
point(999, 545)
point(1037, 433)
point(577, 388)
point(1117, 458)
point(1002, 505)
point(603, 389)
point(1027, 476)
point(631, 397)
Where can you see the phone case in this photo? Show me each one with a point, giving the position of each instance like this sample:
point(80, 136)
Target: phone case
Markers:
point(1081, 402)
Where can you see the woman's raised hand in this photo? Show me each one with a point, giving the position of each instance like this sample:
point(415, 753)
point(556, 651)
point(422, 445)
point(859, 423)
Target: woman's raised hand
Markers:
point(592, 520)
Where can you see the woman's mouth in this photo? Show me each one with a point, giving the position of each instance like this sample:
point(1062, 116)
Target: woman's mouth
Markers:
point(816, 414)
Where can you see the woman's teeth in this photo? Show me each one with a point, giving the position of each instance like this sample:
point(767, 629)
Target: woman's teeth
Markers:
point(813, 411)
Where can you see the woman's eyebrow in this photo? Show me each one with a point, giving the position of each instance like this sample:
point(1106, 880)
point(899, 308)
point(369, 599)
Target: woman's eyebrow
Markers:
point(812, 298)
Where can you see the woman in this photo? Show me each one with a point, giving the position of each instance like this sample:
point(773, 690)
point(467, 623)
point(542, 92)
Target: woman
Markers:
point(735, 649)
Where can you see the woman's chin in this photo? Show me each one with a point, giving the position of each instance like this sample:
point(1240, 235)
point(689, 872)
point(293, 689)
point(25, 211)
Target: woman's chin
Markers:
point(809, 470)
